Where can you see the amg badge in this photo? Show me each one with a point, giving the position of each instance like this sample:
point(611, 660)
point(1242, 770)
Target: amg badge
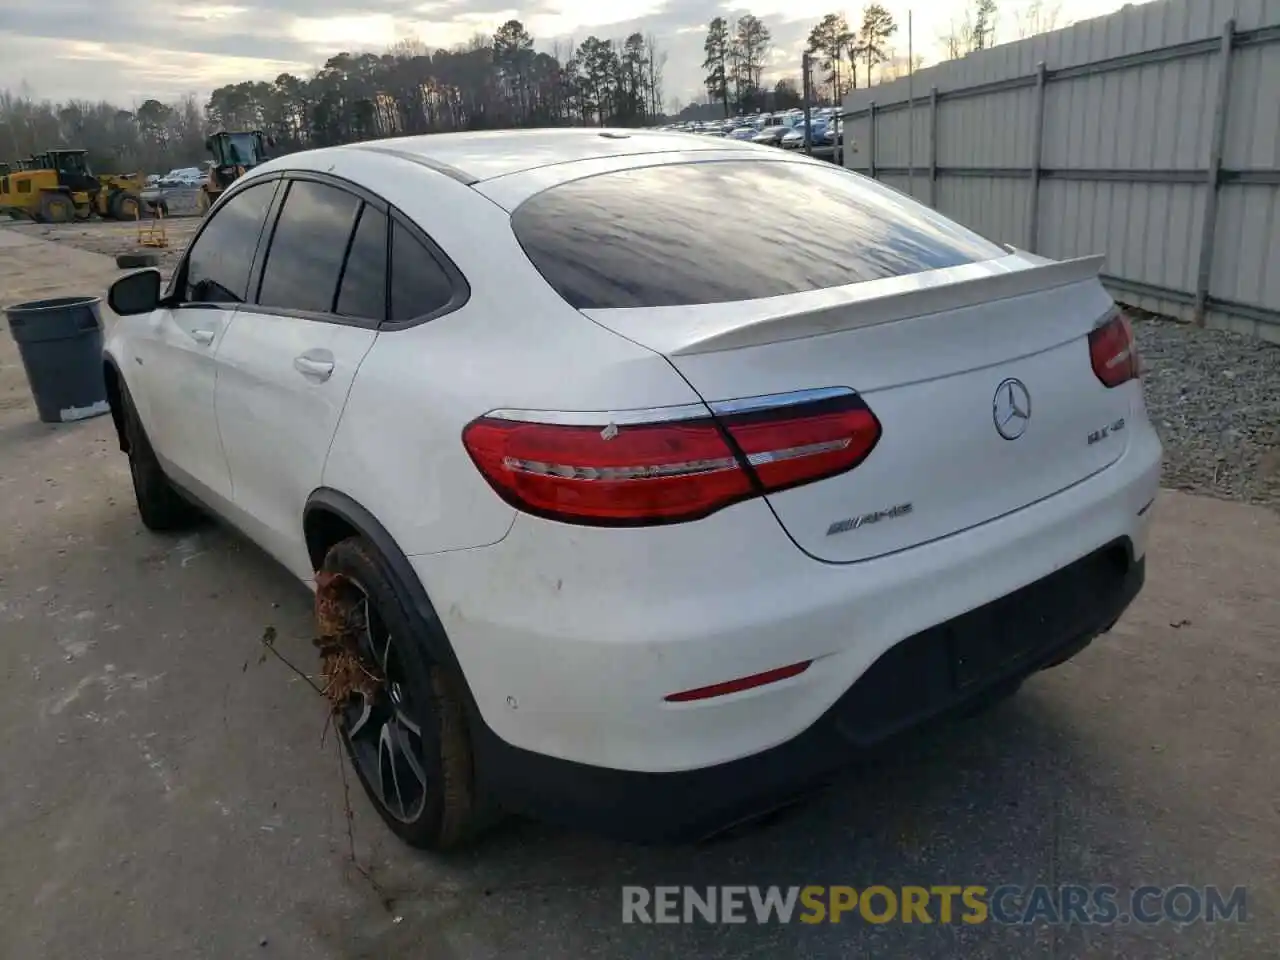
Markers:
point(853, 523)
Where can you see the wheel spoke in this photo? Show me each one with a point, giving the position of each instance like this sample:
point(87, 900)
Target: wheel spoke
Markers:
point(389, 738)
point(387, 750)
point(406, 750)
point(408, 723)
point(366, 711)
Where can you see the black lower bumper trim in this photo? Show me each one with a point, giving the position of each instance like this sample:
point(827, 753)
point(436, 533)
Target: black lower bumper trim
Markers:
point(941, 671)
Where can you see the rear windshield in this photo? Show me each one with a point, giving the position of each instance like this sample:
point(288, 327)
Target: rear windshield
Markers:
point(719, 231)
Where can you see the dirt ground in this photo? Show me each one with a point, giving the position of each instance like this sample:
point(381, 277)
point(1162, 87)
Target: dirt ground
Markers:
point(112, 238)
point(166, 794)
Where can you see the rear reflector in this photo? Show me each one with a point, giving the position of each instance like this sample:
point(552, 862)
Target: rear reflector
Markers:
point(1113, 351)
point(671, 464)
point(742, 683)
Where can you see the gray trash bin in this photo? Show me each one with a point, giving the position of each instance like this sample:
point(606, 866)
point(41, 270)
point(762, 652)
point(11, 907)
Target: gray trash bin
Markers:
point(60, 342)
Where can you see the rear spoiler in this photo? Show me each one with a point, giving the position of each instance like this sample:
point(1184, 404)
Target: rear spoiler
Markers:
point(725, 327)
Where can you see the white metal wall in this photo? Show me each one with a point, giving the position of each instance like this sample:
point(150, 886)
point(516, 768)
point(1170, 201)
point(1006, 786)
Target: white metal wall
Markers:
point(1126, 114)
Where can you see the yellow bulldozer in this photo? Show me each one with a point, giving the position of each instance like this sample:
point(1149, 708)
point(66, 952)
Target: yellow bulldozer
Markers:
point(234, 153)
point(57, 186)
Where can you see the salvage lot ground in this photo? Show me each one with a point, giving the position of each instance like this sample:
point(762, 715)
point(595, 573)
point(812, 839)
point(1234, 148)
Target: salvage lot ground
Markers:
point(167, 794)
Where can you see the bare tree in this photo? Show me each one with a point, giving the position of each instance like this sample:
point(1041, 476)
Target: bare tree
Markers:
point(896, 65)
point(1039, 17)
point(750, 50)
point(657, 63)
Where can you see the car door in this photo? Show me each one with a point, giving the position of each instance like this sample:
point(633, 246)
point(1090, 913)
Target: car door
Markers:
point(288, 360)
point(178, 356)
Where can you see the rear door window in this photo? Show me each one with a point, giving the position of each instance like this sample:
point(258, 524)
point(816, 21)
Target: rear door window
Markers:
point(711, 232)
point(308, 248)
point(363, 292)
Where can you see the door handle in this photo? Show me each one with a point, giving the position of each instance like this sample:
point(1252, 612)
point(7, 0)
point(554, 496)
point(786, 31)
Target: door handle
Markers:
point(203, 337)
point(311, 367)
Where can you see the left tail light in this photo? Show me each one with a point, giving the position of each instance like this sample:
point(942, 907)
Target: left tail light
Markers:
point(668, 465)
point(1113, 351)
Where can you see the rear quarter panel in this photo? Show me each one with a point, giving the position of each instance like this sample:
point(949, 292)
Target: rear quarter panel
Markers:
point(515, 344)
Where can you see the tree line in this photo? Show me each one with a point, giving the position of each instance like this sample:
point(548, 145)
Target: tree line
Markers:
point(491, 82)
point(835, 42)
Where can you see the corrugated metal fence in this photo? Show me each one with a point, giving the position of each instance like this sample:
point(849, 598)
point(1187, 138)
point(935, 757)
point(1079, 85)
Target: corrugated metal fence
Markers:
point(1151, 135)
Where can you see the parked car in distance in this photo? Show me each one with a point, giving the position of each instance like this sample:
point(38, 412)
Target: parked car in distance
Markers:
point(793, 139)
point(743, 133)
point(772, 136)
point(182, 177)
point(799, 491)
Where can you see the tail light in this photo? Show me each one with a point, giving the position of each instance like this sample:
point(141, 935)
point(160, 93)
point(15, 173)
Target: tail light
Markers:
point(1113, 351)
point(669, 464)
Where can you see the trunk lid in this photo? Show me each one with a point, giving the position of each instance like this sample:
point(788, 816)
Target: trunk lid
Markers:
point(980, 376)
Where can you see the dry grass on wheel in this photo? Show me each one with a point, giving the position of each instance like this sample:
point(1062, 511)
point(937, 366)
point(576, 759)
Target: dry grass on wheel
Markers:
point(340, 619)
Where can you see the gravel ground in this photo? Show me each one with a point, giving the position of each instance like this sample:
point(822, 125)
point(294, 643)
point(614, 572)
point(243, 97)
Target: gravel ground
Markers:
point(1214, 397)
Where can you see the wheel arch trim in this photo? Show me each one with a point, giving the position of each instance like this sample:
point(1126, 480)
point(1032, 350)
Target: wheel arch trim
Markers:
point(367, 525)
point(115, 388)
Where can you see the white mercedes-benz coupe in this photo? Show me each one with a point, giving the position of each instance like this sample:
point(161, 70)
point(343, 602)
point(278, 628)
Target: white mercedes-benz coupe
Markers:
point(658, 507)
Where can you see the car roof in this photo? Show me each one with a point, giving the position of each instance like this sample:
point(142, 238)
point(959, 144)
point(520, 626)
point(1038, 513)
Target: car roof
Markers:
point(476, 156)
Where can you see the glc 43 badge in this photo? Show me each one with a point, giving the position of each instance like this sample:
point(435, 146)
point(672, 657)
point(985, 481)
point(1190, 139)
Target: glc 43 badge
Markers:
point(1106, 431)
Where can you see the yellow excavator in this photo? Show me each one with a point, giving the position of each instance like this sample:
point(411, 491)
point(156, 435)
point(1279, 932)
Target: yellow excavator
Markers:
point(235, 152)
point(57, 186)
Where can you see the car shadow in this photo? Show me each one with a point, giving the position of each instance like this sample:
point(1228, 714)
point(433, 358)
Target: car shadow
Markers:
point(959, 802)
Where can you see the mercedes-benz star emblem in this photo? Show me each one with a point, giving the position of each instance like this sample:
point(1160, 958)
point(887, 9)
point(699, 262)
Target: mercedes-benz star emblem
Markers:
point(1011, 408)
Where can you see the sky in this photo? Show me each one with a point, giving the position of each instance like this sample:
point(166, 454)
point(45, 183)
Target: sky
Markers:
point(126, 51)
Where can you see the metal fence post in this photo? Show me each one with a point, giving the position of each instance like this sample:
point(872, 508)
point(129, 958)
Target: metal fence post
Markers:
point(933, 147)
point(1214, 176)
point(871, 140)
point(1037, 147)
point(808, 121)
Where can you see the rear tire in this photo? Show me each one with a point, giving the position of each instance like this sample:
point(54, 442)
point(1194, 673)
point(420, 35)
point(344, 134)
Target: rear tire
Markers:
point(57, 208)
point(160, 505)
point(203, 202)
point(439, 810)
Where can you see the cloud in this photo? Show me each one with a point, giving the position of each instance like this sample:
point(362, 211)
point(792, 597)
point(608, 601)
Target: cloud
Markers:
point(129, 50)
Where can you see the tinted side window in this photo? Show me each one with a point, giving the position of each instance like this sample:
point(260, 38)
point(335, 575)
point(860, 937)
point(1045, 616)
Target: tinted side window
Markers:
point(308, 247)
point(219, 262)
point(711, 232)
point(364, 279)
point(419, 284)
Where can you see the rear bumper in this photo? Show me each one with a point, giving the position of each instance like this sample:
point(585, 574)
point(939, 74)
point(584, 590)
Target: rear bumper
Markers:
point(570, 638)
point(942, 670)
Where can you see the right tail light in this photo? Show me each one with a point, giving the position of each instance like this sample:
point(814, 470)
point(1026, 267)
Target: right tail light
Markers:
point(1113, 351)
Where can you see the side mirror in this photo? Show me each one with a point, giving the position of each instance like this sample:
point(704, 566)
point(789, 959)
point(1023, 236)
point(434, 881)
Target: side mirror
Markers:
point(208, 144)
point(136, 293)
